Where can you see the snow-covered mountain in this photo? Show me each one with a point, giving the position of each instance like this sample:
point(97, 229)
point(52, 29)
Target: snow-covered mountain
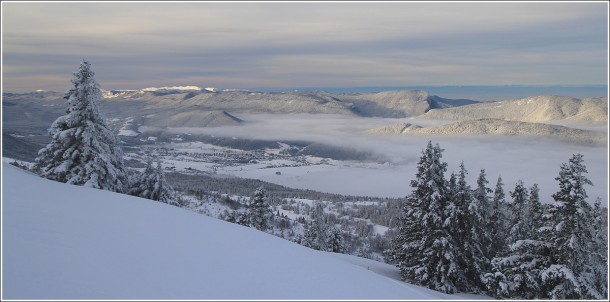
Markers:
point(196, 107)
point(532, 109)
point(68, 242)
point(499, 127)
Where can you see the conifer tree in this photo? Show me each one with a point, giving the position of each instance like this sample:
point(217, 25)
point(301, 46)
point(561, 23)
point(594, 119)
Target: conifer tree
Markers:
point(575, 269)
point(457, 223)
point(142, 183)
point(520, 214)
point(478, 238)
point(151, 184)
point(334, 240)
point(164, 192)
point(424, 250)
point(497, 220)
point(259, 211)
point(599, 254)
point(315, 235)
point(83, 149)
point(535, 208)
point(517, 270)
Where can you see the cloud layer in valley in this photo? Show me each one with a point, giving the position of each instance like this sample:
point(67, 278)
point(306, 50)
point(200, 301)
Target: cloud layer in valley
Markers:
point(533, 160)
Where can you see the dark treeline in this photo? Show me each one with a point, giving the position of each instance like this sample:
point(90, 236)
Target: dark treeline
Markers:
point(245, 186)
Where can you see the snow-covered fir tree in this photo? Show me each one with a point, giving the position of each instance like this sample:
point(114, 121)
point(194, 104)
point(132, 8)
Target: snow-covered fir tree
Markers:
point(334, 240)
point(83, 149)
point(424, 250)
point(477, 235)
point(456, 223)
point(521, 220)
point(515, 271)
point(599, 251)
point(575, 266)
point(142, 182)
point(497, 220)
point(535, 208)
point(316, 229)
point(516, 274)
point(151, 184)
point(259, 211)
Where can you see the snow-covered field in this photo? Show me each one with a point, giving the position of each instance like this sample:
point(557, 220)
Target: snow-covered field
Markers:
point(67, 242)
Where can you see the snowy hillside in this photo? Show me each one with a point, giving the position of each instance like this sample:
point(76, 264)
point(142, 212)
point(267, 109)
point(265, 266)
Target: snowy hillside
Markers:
point(68, 242)
point(531, 109)
point(191, 106)
point(397, 104)
point(499, 127)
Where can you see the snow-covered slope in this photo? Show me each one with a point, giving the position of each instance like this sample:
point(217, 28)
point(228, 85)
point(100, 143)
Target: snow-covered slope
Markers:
point(532, 109)
point(193, 117)
point(499, 127)
point(395, 103)
point(68, 242)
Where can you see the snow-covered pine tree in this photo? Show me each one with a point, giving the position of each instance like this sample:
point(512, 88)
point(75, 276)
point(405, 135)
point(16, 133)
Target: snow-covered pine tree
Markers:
point(334, 240)
point(520, 220)
point(457, 224)
point(535, 208)
point(83, 149)
point(477, 237)
point(316, 229)
point(163, 191)
point(424, 251)
point(497, 220)
point(494, 280)
point(574, 269)
point(515, 273)
point(152, 184)
point(259, 211)
point(142, 183)
point(599, 253)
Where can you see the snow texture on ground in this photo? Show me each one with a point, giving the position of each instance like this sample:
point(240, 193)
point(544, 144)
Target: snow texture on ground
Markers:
point(69, 242)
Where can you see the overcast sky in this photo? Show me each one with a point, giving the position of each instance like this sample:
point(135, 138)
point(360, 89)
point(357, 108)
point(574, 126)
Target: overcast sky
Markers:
point(262, 45)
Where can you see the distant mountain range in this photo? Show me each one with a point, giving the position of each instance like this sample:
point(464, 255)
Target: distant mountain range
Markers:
point(192, 106)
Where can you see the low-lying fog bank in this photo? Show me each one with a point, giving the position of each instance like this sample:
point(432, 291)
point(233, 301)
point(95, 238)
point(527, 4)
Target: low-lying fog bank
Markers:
point(534, 160)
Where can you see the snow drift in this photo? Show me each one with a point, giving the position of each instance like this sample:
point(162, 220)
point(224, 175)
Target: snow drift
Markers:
point(69, 242)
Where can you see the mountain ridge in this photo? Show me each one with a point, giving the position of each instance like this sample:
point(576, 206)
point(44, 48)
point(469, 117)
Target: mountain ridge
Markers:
point(531, 109)
point(498, 127)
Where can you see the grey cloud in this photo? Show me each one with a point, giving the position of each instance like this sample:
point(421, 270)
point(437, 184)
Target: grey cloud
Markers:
point(278, 44)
